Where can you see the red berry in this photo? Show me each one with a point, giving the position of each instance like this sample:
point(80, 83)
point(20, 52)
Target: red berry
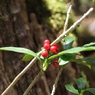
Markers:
point(44, 53)
point(47, 41)
point(53, 48)
point(57, 46)
point(47, 46)
point(56, 64)
point(57, 51)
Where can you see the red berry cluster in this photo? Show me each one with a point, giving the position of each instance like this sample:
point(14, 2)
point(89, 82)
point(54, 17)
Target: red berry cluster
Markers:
point(53, 49)
point(56, 64)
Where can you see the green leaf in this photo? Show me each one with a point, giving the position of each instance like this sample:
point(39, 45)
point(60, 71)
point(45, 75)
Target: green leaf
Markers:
point(27, 57)
point(86, 64)
point(83, 63)
point(90, 44)
point(92, 90)
point(68, 41)
point(88, 59)
point(89, 66)
point(71, 88)
point(81, 82)
point(73, 50)
point(62, 62)
point(64, 59)
point(19, 50)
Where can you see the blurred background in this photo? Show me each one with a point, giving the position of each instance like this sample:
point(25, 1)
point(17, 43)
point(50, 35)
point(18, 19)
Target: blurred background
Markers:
point(27, 23)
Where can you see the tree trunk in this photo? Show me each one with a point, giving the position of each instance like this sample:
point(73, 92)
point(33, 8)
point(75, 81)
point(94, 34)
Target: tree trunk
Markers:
point(17, 28)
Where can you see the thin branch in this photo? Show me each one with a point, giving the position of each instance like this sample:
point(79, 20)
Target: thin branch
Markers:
point(60, 71)
point(73, 26)
point(56, 80)
point(35, 59)
point(44, 79)
point(33, 82)
point(67, 19)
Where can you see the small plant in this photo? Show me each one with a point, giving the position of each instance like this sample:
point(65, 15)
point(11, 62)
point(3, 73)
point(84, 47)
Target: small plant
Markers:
point(46, 53)
point(51, 51)
point(81, 83)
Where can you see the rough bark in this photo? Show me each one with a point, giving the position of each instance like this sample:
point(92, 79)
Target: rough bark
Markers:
point(17, 28)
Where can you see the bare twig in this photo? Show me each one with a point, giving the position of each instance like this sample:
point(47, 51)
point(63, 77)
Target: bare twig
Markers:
point(67, 19)
point(73, 26)
point(56, 80)
point(60, 71)
point(35, 59)
point(34, 81)
point(44, 79)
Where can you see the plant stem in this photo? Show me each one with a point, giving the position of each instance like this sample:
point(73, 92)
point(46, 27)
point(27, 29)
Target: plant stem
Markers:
point(34, 81)
point(82, 91)
point(56, 80)
point(67, 19)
